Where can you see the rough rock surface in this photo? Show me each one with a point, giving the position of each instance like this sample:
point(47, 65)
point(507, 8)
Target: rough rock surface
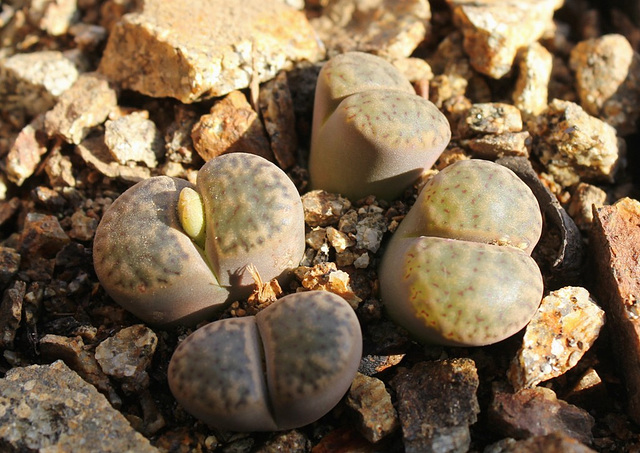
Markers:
point(31, 418)
point(76, 113)
point(230, 126)
point(127, 355)
point(537, 412)
point(134, 138)
point(391, 29)
point(550, 443)
point(423, 391)
point(532, 87)
point(206, 48)
point(575, 146)
point(494, 31)
point(33, 81)
point(615, 243)
point(26, 153)
point(370, 399)
point(565, 326)
point(607, 71)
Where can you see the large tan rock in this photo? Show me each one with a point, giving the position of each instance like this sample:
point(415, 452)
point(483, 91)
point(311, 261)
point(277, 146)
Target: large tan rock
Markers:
point(196, 49)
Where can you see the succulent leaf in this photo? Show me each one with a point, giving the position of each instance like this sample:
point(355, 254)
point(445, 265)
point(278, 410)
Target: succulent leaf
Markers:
point(372, 135)
point(457, 270)
point(311, 346)
point(152, 257)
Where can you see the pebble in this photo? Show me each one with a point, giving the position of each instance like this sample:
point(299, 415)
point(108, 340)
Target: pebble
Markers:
point(292, 441)
point(83, 227)
point(76, 355)
point(32, 82)
point(127, 355)
point(31, 418)
point(369, 398)
point(370, 230)
point(583, 199)
point(530, 94)
point(231, 125)
point(537, 412)
point(134, 138)
point(607, 72)
point(422, 393)
point(11, 313)
point(492, 146)
point(327, 277)
point(495, 31)
point(389, 28)
point(201, 49)
point(42, 236)
point(615, 246)
point(490, 118)
point(344, 440)
point(550, 443)
point(339, 240)
point(94, 152)
point(26, 153)
point(53, 18)
point(75, 113)
point(178, 142)
point(323, 208)
point(59, 169)
point(276, 108)
point(574, 146)
point(565, 326)
point(9, 265)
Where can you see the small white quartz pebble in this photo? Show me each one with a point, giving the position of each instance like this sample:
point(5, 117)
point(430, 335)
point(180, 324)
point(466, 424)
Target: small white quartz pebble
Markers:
point(565, 326)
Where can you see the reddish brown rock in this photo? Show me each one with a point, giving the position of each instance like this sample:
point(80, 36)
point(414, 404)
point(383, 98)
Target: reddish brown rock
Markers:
point(436, 404)
point(537, 412)
point(231, 126)
point(276, 107)
point(42, 236)
point(615, 244)
point(11, 313)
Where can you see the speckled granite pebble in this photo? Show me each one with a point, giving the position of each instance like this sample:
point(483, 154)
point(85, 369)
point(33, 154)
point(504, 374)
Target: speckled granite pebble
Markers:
point(50, 408)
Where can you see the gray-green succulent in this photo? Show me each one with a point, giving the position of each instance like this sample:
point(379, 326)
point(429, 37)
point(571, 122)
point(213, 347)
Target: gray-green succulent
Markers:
point(458, 269)
point(372, 134)
point(281, 369)
point(170, 252)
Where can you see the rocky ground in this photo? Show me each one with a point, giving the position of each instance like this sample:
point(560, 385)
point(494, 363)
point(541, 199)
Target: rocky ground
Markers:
point(93, 100)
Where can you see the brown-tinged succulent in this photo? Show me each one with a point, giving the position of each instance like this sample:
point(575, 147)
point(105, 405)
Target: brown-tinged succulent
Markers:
point(171, 252)
point(458, 269)
point(281, 369)
point(372, 134)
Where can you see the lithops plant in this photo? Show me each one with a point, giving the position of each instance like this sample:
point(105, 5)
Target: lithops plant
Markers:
point(281, 369)
point(171, 252)
point(372, 134)
point(458, 269)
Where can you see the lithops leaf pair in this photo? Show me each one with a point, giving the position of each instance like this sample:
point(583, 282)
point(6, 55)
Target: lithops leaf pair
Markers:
point(372, 134)
point(458, 269)
point(281, 369)
point(171, 252)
